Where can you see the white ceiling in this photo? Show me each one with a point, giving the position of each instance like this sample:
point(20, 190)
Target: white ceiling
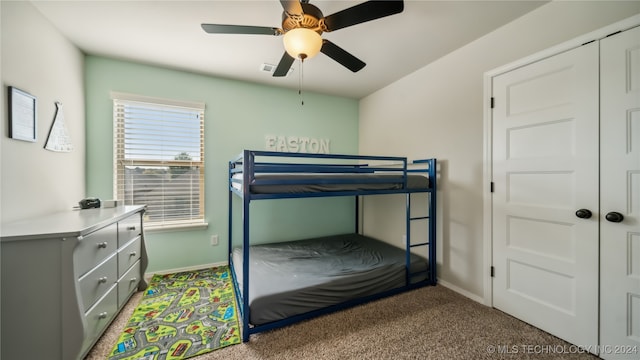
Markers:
point(168, 33)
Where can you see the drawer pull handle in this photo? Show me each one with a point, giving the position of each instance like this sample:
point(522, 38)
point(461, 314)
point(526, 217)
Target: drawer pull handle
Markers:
point(131, 228)
point(133, 253)
point(133, 280)
point(103, 315)
point(102, 280)
point(102, 245)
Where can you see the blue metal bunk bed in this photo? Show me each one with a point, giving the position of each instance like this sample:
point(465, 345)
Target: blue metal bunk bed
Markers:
point(299, 175)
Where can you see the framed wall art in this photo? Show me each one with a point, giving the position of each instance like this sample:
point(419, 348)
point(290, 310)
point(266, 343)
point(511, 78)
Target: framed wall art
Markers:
point(22, 115)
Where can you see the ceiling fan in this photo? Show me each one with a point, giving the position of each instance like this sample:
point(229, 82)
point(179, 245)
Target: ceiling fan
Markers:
point(302, 25)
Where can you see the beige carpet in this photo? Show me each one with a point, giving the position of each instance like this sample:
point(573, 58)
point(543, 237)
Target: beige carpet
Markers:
point(427, 323)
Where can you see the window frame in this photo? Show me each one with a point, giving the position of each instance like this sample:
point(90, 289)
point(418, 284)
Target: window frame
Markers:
point(120, 163)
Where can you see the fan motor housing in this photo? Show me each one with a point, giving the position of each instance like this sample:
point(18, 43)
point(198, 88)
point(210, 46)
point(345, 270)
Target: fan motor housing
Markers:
point(309, 20)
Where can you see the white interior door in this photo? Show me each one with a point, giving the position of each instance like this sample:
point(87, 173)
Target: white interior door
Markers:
point(545, 167)
point(620, 193)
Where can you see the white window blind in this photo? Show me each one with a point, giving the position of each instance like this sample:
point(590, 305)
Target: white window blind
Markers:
point(159, 158)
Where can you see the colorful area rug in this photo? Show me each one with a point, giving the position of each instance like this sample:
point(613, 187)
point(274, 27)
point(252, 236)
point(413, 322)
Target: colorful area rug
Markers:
point(180, 316)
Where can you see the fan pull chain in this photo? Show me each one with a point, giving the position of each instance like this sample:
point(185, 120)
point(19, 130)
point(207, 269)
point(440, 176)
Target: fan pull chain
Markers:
point(300, 76)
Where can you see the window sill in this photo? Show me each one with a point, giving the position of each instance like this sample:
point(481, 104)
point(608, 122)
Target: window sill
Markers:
point(175, 227)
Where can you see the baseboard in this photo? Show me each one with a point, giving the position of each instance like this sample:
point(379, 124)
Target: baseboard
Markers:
point(461, 291)
point(149, 275)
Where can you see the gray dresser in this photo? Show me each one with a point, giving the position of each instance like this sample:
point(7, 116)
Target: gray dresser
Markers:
point(64, 278)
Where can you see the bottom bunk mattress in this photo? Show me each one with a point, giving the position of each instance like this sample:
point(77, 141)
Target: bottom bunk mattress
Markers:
point(295, 277)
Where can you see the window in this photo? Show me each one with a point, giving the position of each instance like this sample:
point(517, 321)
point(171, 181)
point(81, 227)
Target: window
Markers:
point(159, 158)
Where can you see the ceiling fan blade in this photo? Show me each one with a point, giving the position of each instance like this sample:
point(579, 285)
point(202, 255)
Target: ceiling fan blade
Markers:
point(292, 7)
point(240, 29)
point(342, 56)
point(364, 12)
point(284, 65)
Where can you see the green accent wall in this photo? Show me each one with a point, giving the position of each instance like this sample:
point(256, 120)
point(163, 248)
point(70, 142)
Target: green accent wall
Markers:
point(238, 116)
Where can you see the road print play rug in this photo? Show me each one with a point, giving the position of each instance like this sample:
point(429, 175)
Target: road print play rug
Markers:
point(180, 316)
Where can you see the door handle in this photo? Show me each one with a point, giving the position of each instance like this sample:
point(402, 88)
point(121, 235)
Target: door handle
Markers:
point(614, 216)
point(583, 213)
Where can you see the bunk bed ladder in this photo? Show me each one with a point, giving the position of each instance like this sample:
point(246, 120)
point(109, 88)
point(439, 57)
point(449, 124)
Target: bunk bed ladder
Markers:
point(409, 245)
point(431, 235)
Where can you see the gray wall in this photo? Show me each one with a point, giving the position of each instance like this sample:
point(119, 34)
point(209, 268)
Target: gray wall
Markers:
point(40, 61)
point(438, 112)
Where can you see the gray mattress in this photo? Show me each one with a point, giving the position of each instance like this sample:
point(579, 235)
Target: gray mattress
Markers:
point(306, 183)
point(296, 277)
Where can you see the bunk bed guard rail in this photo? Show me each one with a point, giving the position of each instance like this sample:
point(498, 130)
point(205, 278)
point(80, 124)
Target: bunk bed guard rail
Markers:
point(267, 179)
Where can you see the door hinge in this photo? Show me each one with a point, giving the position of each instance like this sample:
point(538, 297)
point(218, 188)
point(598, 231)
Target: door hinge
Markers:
point(492, 187)
point(493, 102)
point(493, 271)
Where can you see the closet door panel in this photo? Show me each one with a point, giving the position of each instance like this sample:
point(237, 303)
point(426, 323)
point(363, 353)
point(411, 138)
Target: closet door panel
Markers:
point(620, 193)
point(545, 167)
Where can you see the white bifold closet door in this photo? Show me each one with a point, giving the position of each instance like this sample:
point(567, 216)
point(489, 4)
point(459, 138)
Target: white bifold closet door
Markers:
point(566, 205)
point(545, 168)
point(620, 196)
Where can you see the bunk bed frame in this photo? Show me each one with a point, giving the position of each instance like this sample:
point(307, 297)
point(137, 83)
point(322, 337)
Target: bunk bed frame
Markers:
point(248, 181)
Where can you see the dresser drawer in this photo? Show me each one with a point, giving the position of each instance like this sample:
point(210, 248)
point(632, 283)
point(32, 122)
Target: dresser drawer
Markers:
point(94, 284)
point(128, 284)
point(129, 228)
point(95, 247)
point(128, 255)
point(99, 316)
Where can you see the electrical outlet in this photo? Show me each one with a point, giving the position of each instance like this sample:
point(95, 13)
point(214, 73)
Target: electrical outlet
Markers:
point(214, 240)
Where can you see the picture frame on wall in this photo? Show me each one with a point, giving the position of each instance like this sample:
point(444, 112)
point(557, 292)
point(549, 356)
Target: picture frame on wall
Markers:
point(22, 115)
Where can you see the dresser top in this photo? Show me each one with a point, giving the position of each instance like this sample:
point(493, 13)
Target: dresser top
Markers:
point(65, 223)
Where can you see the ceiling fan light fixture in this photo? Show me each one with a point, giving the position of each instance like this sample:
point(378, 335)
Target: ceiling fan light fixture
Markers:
point(302, 43)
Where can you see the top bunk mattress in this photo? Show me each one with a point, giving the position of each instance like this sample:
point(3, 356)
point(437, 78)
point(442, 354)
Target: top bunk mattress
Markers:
point(291, 278)
point(312, 183)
